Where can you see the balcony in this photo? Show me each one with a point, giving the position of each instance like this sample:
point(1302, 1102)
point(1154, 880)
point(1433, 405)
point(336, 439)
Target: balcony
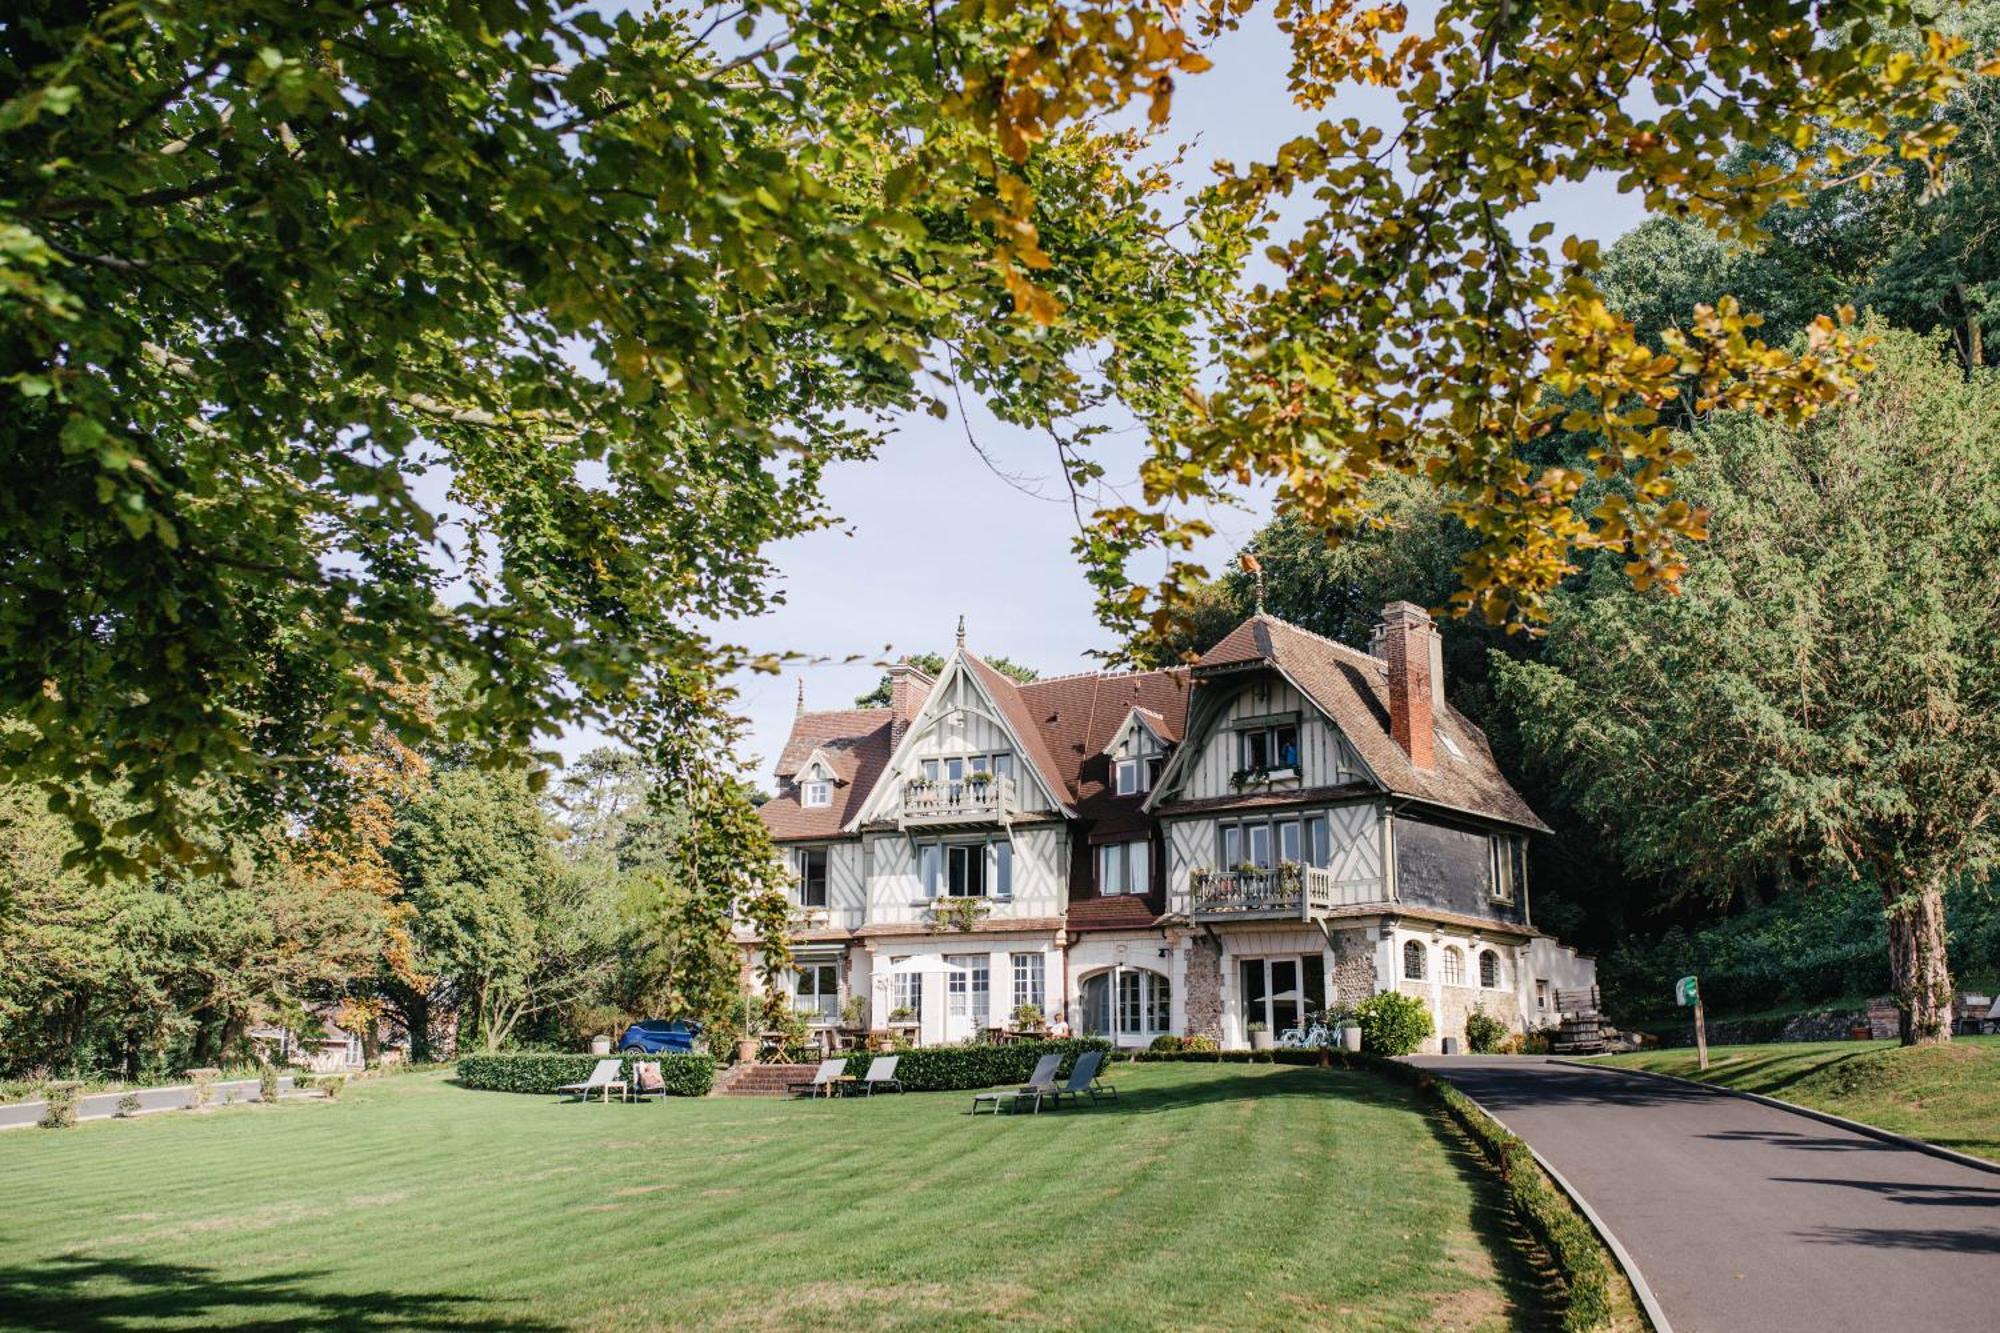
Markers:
point(1290, 891)
point(931, 803)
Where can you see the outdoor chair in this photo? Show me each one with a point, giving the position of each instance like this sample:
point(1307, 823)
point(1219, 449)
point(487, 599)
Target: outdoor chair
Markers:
point(1040, 1084)
point(604, 1078)
point(647, 1079)
point(1083, 1080)
point(824, 1082)
point(881, 1076)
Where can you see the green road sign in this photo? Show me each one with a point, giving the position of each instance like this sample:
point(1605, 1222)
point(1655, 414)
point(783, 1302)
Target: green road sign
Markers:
point(1686, 992)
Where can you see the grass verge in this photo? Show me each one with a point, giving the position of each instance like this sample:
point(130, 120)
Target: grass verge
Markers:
point(1947, 1095)
point(1261, 1196)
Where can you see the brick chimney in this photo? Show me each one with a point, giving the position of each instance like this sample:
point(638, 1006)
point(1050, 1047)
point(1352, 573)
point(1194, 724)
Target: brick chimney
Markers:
point(1408, 640)
point(908, 688)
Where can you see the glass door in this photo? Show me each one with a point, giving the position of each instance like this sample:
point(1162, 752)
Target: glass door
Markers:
point(1285, 996)
point(967, 990)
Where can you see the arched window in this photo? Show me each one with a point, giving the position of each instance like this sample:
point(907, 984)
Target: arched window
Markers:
point(1413, 960)
point(1454, 965)
point(1489, 968)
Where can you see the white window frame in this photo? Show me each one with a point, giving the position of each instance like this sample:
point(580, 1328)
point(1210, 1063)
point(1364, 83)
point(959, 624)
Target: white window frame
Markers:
point(1144, 996)
point(993, 856)
point(968, 987)
point(800, 857)
point(1309, 835)
point(819, 1010)
point(1452, 968)
point(1267, 733)
point(1126, 776)
point(1030, 981)
point(816, 794)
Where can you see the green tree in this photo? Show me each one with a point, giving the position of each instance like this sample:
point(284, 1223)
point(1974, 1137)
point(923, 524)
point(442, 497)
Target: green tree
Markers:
point(512, 929)
point(932, 663)
point(1822, 701)
point(307, 311)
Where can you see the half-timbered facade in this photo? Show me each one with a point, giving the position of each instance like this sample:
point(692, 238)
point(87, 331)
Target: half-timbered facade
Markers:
point(1287, 825)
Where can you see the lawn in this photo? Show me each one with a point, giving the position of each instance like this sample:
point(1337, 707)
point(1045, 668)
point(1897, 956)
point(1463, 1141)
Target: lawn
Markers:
point(1213, 1195)
point(1948, 1095)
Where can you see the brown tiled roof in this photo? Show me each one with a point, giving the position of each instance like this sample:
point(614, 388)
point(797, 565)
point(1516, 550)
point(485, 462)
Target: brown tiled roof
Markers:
point(857, 742)
point(1352, 688)
point(1078, 715)
point(1124, 912)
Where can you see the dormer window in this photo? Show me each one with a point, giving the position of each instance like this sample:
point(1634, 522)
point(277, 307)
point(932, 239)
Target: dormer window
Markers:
point(1131, 775)
point(817, 793)
point(1136, 760)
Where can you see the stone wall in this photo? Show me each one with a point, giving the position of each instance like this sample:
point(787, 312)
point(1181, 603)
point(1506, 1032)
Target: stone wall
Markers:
point(1204, 988)
point(1353, 972)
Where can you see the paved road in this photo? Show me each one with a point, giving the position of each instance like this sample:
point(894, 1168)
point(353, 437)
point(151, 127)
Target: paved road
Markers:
point(1747, 1218)
point(99, 1106)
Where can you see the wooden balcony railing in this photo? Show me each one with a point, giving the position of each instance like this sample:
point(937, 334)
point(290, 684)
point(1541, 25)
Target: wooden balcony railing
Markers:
point(1286, 890)
point(967, 801)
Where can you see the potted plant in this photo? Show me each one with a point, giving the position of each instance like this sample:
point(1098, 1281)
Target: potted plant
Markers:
point(1028, 1017)
point(854, 1011)
point(1260, 1036)
point(902, 1013)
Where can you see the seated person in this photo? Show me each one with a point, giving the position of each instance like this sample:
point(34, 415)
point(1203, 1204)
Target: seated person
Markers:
point(1058, 1027)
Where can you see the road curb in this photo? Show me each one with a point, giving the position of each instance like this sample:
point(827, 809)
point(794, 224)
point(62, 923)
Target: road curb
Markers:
point(1824, 1117)
point(1626, 1263)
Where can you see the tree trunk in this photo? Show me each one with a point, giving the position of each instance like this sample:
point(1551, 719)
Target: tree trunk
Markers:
point(1917, 965)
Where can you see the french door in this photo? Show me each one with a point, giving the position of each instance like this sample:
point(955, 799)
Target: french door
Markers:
point(1281, 992)
point(967, 993)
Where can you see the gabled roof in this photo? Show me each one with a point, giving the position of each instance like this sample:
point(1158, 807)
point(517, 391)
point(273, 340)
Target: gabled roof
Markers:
point(1078, 715)
point(1007, 696)
point(855, 742)
point(1352, 689)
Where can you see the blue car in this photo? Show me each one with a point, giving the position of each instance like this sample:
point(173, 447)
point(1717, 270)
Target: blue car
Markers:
point(653, 1036)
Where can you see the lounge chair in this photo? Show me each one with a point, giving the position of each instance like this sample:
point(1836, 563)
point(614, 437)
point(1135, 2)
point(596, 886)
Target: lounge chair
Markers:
point(1083, 1080)
point(824, 1082)
point(1040, 1084)
point(608, 1075)
point(881, 1076)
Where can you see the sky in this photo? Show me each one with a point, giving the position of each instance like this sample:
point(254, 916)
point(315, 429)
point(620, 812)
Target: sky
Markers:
point(930, 532)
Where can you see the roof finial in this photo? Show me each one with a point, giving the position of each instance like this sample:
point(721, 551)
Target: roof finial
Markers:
point(801, 710)
point(1253, 565)
point(961, 630)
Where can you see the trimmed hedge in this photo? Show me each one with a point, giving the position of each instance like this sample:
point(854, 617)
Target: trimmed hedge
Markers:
point(685, 1075)
point(1571, 1242)
point(977, 1065)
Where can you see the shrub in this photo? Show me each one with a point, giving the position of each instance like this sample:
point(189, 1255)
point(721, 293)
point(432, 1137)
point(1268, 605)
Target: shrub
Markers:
point(204, 1084)
point(1392, 1023)
point(59, 1104)
point(685, 1075)
point(267, 1085)
point(1484, 1033)
point(959, 1068)
point(1167, 1041)
point(854, 1011)
point(1535, 1043)
point(1200, 1044)
point(128, 1106)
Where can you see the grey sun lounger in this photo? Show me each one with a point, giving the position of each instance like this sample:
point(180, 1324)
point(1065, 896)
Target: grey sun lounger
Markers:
point(603, 1079)
point(1083, 1080)
point(1040, 1084)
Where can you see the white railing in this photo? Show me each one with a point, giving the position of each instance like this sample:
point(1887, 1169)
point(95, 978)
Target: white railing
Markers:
point(968, 800)
point(1291, 889)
